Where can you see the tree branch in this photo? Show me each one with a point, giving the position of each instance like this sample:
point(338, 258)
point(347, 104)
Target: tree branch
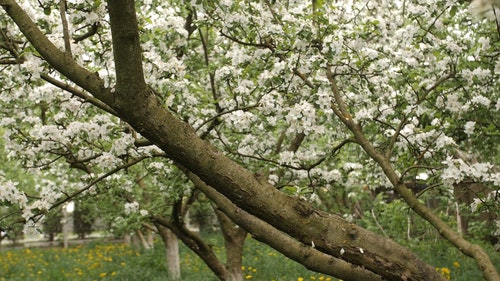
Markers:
point(64, 22)
point(92, 30)
point(139, 107)
point(339, 108)
point(384, 162)
point(55, 57)
point(315, 260)
point(77, 92)
point(94, 182)
point(130, 83)
point(195, 243)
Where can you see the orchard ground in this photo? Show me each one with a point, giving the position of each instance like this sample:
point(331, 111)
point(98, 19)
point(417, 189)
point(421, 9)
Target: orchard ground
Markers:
point(99, 259)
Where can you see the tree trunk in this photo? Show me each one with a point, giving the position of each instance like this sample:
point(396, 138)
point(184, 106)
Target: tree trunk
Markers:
point(234, 239)
point(144, 242)
point(196, 244)
point(171, 251)
point(127, 239)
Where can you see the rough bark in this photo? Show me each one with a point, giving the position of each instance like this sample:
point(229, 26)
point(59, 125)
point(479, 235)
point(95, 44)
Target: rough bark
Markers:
point(138, 106)
point(307, 255)
point(234, 239)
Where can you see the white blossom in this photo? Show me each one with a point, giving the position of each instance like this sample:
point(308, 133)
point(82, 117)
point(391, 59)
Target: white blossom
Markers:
point(131, 208)
point(481, 100)
point(469, 127)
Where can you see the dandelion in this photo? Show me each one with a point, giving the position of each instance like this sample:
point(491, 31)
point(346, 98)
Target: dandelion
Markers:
point(456, 264)
point(300, 279)
point(248, 277)
point(102, 275)
point(445, 272)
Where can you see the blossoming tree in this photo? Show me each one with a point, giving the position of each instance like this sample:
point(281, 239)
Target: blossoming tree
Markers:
point(259, 104)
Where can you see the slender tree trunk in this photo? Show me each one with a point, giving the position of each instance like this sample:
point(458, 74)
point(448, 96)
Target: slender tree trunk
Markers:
point(171, 251)
point(196, 244)
point(143, 240)
point(127, 239)
point(234, 239)
point(150, 238)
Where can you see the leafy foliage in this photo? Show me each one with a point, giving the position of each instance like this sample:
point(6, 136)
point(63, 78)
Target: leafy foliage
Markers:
point(275, 85)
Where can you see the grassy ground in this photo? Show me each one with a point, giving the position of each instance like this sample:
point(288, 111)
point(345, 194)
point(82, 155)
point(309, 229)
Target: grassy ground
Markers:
point(119, 262)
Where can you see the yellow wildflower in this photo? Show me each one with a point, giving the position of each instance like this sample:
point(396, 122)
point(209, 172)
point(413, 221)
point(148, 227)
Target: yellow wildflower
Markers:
point(445, 272)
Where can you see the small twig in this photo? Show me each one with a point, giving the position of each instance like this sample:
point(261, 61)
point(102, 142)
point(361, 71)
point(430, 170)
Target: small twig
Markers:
point(93, 30)
point(303, 77)
point(99, 179)
point(395, 137)
point(378, 224)
point(10, 45)
point(406, 171)
point(435, 85)
point(216, 116)
point(428, 30)
point(496, 19)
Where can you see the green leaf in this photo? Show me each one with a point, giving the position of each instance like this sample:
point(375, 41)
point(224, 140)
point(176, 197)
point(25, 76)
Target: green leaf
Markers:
point(292, 190)
point(453, 11)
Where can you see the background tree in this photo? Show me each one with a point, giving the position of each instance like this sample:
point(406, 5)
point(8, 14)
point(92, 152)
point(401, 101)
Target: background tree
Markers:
point(260, 105)
point(52, 225)
point(84, 218)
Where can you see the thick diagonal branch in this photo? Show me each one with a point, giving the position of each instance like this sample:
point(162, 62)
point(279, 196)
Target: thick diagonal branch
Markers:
point(58, 59)
point(139, 107)
point(305, 254)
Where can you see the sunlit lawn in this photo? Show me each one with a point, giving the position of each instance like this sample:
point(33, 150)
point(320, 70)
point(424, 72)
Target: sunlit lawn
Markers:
point(119, 262)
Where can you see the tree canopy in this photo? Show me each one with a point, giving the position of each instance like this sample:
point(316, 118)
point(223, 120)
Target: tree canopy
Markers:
point(263, 106)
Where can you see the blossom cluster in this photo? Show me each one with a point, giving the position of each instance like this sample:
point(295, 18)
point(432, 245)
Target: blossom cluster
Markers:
point(263, 81)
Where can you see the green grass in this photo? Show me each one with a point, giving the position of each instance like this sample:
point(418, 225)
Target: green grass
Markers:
point(119, 262)
point(449, 259)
